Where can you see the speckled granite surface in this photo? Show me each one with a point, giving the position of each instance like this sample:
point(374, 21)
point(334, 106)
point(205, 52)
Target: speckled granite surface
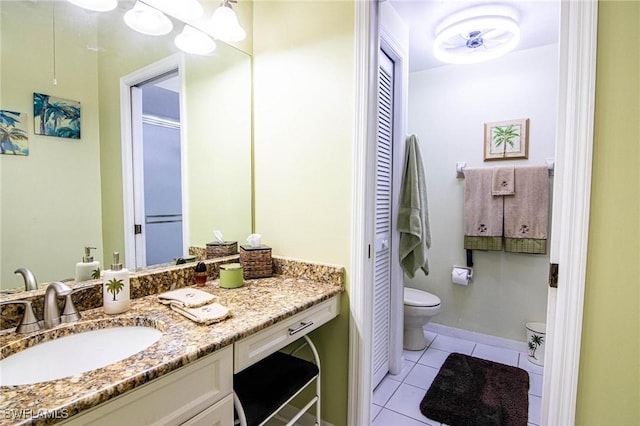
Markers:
point(257, 305)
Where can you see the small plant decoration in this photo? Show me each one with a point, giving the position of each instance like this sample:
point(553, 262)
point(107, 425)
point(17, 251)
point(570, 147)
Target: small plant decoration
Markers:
point(503, 136)
point(535, 342)
point(114, 286)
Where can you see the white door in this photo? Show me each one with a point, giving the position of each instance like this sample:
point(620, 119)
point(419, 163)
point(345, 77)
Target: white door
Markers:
point(157, 170)
point(153, 171)
point(383, 220)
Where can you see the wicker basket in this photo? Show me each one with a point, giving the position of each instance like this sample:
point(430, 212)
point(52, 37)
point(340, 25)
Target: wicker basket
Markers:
point(228, 248)
point(256, 261)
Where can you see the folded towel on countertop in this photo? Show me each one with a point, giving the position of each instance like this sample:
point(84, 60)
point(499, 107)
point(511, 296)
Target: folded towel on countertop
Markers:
point(483, 212)
point(413, 215)
point(526, 213)
point(503, 181)
point(187, 297)
point(205, 315)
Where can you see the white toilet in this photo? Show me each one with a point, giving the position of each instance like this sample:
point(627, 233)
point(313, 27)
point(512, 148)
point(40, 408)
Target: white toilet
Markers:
point(419, 308)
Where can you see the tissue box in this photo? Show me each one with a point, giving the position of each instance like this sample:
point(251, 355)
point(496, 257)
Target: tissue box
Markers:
point(256, 261)
point(228, 248)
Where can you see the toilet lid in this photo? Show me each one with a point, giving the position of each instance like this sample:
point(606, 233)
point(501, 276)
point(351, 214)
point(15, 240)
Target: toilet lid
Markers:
point(414, 297)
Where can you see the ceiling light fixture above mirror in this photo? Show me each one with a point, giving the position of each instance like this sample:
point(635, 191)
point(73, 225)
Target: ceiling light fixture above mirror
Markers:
point(147, 20)
point(476, 35)
point(151, 17)
point(224, 23)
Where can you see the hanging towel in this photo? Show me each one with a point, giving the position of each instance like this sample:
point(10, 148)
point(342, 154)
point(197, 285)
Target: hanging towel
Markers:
point(206, 315)
point(526, 213)
point(482, 211)
point(413, 216)
point(502, 181)
point(187, 297)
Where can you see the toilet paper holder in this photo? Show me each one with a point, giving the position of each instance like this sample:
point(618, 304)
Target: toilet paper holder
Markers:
point(465, 267)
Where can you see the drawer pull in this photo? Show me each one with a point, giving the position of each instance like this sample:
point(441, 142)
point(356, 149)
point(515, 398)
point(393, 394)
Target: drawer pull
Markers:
point(303, 325)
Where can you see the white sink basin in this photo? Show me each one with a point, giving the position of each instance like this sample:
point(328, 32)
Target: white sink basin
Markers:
point(74, 354)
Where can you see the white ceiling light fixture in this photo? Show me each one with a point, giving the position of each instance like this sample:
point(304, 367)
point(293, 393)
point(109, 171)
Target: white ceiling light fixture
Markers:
point(185, 10)
point(224, 23)
point(96, 5)
point(194, 41)
point(476, 35)
point(147, 20)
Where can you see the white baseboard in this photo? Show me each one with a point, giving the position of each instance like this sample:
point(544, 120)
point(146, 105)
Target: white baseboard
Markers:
point(484, 339)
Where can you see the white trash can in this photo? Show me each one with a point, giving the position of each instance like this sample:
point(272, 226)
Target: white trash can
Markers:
point(536, 336)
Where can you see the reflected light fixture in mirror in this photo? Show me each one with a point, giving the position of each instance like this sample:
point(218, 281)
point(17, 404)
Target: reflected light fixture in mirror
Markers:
point(194, 41)
point(97, 5)
point(476, 35)
point(224, 23)
point(147, 20)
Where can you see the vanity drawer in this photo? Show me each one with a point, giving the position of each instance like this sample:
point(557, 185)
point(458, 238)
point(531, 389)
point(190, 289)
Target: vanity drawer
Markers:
point(168, 400)
point(253, 348)
point(219, 414)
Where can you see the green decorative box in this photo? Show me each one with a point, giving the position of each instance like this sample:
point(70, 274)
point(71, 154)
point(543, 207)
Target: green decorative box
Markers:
point(231, 275)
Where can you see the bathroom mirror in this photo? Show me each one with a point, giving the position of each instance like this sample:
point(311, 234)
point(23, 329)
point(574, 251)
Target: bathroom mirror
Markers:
point(68, 193)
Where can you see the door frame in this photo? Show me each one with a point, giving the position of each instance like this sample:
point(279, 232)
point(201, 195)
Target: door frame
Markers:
point(163, 66)
point(577, 47)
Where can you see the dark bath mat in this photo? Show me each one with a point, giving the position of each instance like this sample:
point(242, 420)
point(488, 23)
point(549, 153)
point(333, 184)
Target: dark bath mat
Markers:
point(473, 391)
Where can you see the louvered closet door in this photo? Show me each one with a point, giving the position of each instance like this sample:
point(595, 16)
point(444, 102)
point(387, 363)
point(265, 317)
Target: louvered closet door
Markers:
point(382, 252)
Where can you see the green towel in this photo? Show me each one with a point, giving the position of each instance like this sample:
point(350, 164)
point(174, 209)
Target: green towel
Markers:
point(413, 217)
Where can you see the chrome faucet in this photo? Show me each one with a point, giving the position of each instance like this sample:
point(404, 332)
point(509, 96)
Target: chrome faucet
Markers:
point(52, 315)
point(28, 323)
point(29, 279)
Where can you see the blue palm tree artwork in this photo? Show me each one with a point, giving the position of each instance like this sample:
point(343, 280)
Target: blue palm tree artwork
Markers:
point(56, 116)
point(14, 139)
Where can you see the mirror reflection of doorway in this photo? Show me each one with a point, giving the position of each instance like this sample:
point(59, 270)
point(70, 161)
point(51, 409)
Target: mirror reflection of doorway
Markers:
point(161, 186)
point(157, 170)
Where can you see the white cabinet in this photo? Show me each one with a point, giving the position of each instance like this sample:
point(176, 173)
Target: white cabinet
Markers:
point(203, 387)
point(257, 346)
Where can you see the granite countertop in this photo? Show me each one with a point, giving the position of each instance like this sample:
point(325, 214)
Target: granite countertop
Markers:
point(259, 304)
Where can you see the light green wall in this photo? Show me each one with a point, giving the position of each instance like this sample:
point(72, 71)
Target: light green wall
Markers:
point(218, 101)
point(51, 198)
point(609, 379)
point(303, 134)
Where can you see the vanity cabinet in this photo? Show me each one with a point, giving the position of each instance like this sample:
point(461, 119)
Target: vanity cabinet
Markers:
point(201, 392)
point(197, 394)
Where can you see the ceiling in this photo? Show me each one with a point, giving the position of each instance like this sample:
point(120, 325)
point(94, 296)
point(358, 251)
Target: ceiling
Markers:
point(538, 19)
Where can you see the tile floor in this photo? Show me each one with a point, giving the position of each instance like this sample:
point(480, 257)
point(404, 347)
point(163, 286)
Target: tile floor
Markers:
point(396, 399)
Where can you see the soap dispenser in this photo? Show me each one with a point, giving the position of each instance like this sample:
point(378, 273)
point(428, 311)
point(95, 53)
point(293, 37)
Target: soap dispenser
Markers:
point(87, 269)
point(116, 290)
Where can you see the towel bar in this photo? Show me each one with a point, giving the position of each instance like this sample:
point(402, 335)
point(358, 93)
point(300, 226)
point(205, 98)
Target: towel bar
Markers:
point(460, 166)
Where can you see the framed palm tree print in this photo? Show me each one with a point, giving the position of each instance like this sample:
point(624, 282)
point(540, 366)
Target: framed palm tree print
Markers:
point(14, 139)
point(56, 116)
point(506, 140)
